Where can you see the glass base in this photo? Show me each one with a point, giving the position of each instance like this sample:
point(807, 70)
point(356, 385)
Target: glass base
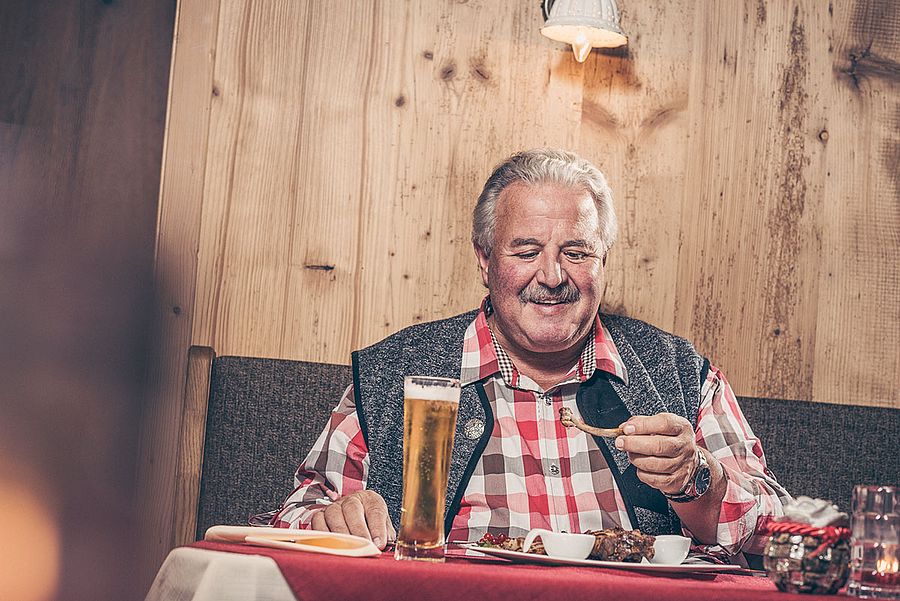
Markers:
point(404, 551)
point(872, 591)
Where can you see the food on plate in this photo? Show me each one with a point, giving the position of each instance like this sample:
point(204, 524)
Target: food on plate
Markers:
point(615, 544)
point(612, 544)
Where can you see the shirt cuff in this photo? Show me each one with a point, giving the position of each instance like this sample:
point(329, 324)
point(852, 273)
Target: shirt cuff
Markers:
point(298, 517)
point(739, 515)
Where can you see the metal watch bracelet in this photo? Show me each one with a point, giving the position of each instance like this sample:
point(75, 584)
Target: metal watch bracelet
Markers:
point(689, 492)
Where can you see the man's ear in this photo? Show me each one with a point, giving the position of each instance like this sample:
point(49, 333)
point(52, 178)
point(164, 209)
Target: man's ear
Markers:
point(483, 262)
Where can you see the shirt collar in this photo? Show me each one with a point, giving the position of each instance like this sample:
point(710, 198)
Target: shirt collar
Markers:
point(484, 357)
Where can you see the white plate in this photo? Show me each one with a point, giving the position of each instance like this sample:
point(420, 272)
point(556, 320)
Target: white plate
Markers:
point(644, 567)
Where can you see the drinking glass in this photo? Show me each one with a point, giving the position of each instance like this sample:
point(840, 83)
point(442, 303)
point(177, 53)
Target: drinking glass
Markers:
point(429, 421)
point(875, 525)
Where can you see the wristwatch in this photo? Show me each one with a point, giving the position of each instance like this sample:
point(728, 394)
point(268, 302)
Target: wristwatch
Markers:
point(697, 485)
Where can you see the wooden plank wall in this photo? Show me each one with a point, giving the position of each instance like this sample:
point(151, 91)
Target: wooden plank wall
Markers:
point(752, 148)
point(319, 184)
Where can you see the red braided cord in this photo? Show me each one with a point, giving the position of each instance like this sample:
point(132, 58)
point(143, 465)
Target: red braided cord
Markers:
point(828, 535)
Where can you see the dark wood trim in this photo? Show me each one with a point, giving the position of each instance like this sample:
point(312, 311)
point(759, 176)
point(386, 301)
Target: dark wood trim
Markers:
point(189, 463)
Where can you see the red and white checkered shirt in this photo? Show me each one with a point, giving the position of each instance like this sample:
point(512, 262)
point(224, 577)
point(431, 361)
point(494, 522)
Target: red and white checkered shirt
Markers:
point(534, 472)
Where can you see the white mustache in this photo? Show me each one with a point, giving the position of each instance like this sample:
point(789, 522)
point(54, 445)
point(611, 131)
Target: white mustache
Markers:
point(542, 294)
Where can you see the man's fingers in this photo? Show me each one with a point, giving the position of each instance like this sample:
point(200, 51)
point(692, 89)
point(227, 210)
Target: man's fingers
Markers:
point(361, 514)
point(662, 448)
point(355, 516)
point(377, 519)
point(392, 533)
point(667, 483)
point(667, 424)
point(318, 521)
point(334, 518)
point(655, 465)
point(653, 445)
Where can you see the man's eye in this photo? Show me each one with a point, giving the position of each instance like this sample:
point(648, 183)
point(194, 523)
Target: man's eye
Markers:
point(575, 255)
point(527, 255)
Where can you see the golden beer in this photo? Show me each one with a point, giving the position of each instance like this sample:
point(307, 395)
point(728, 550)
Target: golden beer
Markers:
point(429, 420)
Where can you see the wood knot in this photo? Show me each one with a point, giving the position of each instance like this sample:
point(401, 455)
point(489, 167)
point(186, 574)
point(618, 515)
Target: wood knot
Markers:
point(400, 101)
point(429, 55)
point(480, 72)
point(823, 135)
point(319, 267)
point(448, 72)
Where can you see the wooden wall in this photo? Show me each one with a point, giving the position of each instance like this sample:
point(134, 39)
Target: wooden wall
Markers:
point(323, 158)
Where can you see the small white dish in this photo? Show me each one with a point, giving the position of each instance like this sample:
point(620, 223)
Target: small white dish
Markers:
point(670, 549)
point(562, 545)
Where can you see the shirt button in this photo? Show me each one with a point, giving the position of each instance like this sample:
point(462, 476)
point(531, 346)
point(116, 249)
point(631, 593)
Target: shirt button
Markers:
point(554, 469)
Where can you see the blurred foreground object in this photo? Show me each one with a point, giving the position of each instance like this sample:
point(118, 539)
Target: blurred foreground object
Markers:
point(82, 102)
point(72, 322)
point(29, 559)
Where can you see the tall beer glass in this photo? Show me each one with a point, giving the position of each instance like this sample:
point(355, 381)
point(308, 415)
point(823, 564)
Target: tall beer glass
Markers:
point(429, 420)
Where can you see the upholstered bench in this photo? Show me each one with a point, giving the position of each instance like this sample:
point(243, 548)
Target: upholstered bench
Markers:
point(249, 422)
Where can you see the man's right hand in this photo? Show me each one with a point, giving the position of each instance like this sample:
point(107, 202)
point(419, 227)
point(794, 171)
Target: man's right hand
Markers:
point(362, 513)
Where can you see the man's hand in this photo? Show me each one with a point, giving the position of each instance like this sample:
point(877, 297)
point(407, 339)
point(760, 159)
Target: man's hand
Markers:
point(362, 513)
point(663, 449)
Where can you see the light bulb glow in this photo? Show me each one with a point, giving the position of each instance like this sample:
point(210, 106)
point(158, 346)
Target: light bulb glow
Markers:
point(581, 47)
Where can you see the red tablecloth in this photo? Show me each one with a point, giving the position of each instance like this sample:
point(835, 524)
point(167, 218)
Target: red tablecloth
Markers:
point(318, 576)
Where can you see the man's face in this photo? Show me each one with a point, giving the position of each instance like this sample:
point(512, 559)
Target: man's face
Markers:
point(545, 273)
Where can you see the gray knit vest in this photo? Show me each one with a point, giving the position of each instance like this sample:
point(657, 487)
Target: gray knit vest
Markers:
point(664, 375)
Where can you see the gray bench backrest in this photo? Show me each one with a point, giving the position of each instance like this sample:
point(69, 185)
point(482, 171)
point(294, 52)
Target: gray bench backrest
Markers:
point(263, 417)
point(821, 450)
point(265, 414)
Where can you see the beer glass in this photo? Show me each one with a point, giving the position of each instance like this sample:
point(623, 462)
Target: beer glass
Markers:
point(429, 420)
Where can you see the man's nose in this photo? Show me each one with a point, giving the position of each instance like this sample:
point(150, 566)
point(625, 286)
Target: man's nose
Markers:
point(550, 272)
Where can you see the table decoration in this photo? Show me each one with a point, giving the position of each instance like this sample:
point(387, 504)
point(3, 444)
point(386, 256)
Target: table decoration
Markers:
point(809, 548)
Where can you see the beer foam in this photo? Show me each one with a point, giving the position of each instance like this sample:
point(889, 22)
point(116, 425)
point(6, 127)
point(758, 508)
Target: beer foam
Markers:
point(414, 390)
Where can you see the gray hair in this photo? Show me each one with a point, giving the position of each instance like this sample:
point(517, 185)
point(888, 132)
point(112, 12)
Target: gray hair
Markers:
point(538, 166)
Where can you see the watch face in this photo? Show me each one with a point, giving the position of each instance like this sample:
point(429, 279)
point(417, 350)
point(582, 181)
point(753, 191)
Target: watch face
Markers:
point(701, 482)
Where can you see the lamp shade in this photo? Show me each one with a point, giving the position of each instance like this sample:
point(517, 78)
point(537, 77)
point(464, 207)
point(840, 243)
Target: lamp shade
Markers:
point(584, 24)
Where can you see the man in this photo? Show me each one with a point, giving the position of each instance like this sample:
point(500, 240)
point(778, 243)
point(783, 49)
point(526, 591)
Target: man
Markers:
point(687, 460)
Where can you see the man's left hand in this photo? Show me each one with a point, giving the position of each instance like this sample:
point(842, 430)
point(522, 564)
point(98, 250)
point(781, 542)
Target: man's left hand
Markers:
point(663, 449)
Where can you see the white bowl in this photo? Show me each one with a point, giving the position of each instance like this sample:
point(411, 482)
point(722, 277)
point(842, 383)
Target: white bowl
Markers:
point(670, 549)
point(563, 545)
